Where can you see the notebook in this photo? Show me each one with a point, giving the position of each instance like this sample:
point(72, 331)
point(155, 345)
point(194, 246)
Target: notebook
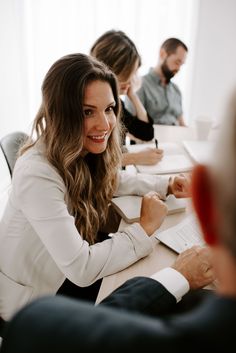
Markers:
point(129, 206)
point(174, 160)
point(199, 151)
point(182, 236)
point(167, 147)
point(177, 163)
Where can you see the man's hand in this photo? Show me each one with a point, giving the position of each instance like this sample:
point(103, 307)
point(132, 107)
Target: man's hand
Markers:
point(195, 264)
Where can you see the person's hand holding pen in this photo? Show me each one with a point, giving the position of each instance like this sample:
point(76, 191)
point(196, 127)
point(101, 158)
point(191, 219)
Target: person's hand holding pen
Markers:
point(147, 156)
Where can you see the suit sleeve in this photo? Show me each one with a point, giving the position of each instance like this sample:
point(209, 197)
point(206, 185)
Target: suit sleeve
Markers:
point(142, 295)
point(60, 324)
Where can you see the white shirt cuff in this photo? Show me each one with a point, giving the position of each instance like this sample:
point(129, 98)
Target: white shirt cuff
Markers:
point(173, 281)
point(162, 188)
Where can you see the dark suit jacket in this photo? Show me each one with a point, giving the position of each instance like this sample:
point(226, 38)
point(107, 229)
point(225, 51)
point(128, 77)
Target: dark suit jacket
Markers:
point(59, 324)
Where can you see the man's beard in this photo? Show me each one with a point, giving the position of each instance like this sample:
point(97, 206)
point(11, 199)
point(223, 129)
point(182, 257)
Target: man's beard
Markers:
point(167, 72)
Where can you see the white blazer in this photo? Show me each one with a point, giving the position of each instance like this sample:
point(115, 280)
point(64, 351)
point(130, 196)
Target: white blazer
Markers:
point(40, 245)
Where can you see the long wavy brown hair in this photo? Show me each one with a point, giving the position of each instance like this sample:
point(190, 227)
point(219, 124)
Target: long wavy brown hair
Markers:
point(90, 180)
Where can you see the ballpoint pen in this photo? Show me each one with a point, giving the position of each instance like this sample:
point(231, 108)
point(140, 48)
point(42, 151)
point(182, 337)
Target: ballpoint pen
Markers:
point(156, 143)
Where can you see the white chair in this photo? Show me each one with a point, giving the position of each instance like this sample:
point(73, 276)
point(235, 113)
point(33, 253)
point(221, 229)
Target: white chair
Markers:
point(5, 182)
point(10, 145)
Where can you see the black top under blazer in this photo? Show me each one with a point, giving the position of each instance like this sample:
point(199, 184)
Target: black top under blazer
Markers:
point(138, 128)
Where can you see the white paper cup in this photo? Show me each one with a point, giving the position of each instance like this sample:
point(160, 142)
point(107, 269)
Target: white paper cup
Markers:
point(203, 126)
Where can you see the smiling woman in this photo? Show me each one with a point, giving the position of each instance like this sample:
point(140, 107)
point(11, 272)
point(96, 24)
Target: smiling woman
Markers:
point(62, 186)
point(100, 118)
point(119, 53)
point(77, 95)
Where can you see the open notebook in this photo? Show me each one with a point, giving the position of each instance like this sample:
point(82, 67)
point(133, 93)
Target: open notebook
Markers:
point(182, 236)
point(174, 159)
point(129, 206)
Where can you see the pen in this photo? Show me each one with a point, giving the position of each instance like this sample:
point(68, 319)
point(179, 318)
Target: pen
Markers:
point(156, 143)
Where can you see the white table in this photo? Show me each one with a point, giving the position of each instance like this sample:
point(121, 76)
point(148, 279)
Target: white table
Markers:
point(165, 133)
point(161, 256)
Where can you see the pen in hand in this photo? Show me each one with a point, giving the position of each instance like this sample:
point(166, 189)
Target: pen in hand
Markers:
point(156, 143)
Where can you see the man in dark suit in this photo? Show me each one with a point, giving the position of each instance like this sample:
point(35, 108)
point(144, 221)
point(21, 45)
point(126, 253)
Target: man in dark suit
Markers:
point(138, 316)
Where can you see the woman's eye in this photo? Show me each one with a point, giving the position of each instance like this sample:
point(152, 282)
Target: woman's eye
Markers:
point(88, 112)
point(110, 109)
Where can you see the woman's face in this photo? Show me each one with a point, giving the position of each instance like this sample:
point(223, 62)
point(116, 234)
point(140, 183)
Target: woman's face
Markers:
point(126, 82)
point(99, 116)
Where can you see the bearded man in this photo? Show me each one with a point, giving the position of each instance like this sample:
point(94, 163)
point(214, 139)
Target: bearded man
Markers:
point(161, 97)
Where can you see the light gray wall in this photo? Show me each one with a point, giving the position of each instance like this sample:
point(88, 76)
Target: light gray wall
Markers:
point(215, 58)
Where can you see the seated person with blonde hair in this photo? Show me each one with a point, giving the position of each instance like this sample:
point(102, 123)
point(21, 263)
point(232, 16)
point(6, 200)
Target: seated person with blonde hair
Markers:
point(119, 53)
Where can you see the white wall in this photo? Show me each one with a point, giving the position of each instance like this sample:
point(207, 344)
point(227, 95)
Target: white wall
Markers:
point(33, 34)
point(215, 58)
point(13, 62)
point(205, 79)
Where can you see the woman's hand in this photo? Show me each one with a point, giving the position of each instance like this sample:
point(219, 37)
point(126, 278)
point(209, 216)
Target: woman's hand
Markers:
point(179, 186)
point(135, 84)
point(148, 156)
point(153, 212)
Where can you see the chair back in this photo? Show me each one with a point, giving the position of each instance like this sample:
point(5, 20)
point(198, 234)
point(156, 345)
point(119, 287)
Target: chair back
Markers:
point(5, 182)
point(10, 145)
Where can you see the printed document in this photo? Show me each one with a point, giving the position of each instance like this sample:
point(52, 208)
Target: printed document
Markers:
point(182, 236)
